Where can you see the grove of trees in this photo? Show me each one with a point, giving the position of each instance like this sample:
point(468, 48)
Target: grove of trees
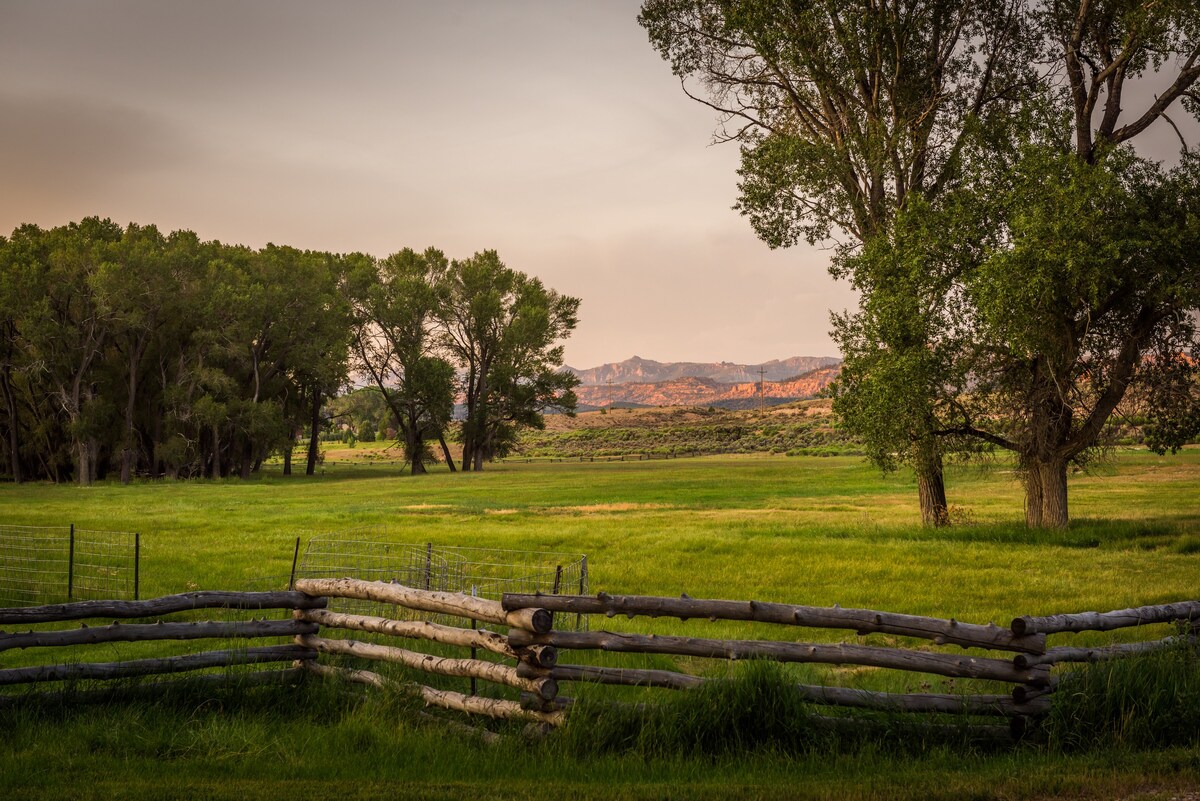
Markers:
point(1024, 273)
point(124, 349)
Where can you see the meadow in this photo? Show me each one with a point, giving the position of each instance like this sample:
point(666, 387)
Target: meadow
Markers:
point(808, 530)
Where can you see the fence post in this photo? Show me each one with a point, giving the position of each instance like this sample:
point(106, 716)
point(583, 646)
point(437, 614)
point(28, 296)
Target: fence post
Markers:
point(428, 563)
point(582, 589)
point(71, 564)
point(557, 588)
point(295, 556)
point(137, 562)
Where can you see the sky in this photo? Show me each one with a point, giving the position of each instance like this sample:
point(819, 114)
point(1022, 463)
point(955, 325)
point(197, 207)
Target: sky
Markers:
point(547, 130)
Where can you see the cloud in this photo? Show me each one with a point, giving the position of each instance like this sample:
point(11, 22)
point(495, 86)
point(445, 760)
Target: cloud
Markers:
point(62, 146)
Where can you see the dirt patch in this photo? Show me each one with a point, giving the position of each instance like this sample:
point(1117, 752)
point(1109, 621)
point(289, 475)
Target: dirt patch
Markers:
point(501, 511)
point(599, 508)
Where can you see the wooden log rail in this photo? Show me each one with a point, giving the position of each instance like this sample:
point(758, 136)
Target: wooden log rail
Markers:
point(146, 667)
point(1058, 655)
point(445, 666)
point(207, 599)
point(947, 703)
point(1106, 621)
point(544, 655)
point(470, 704)
point(839, 653)
point(450, 603)
point(140, 632)
point(863, 621)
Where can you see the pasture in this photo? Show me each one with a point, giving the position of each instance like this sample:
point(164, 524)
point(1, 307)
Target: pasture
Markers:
point(806, 530)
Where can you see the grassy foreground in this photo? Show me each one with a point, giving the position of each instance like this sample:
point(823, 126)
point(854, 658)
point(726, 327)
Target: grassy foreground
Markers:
point(805, 530)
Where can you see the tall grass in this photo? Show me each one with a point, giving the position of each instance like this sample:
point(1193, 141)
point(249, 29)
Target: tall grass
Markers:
point(1148, 700)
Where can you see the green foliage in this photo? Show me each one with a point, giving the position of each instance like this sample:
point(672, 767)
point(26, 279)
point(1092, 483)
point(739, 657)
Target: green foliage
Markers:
point(1071, 279)
point(1150, 700)
point(159, 353)
point(166, 355)
point(756, 711)
point(501, 326)
point(399, 303)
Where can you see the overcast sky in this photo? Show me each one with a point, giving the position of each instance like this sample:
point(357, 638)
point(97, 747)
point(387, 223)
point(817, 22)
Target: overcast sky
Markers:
point(549, 131)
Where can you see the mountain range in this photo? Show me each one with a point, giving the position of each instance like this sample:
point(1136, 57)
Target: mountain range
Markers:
point(643, 382)
point(648, 371)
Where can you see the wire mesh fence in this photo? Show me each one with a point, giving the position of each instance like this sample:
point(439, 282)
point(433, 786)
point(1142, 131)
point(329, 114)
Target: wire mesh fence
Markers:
point(368, 555)
point(51, 564)
point(106, 565)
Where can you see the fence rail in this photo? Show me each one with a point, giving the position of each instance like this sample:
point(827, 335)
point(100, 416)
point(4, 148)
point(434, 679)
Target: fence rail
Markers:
point(530, 650)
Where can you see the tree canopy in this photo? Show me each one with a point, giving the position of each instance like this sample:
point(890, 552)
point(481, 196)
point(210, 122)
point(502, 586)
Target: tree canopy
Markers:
point(164, 355)
point(1022, 272)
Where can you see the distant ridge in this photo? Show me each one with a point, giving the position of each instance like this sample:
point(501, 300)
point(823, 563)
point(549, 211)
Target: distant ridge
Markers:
point(701, 391)
point(648, 371)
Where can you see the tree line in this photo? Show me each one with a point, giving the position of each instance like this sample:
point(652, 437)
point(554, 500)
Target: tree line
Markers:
point(130, 350)
point(1024, 273)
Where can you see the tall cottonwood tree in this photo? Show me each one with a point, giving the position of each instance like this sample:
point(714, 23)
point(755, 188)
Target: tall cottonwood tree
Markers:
point(501, 326)
point(1072, 281)
point(844, 109)
point(1114, 317)
point(1087, 299)
point(398, 303)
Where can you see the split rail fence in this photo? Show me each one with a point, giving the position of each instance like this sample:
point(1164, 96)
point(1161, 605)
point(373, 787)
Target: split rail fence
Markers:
point(514, 645)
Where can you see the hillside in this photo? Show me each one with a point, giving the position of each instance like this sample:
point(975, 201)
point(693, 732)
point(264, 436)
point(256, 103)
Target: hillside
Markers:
point(796, 428)
point(648, 371)
point(705, 391)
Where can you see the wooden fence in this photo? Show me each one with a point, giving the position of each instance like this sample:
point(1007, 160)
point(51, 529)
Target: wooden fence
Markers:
point(522, 652)
point(159, 630)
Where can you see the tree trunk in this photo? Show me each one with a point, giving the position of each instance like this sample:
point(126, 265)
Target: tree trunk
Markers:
point(314, 434)
point(1033, 496)
point(127, 452)
point(247, 460)
point(287, 456)
point(1051, 495)
point(83, 466)
point(414, 448)
point(446, 452)
point(931, 488)
point(216, 455)
point(14, 434)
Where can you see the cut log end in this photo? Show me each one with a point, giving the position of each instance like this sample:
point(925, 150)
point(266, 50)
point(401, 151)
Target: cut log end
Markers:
point(542, 656)
point(542, 621)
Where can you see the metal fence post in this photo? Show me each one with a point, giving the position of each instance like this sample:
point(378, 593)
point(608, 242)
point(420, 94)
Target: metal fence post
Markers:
point(71, 564)
point(582, 589)
point(428, 563)
point(137, 562)
point(295, 557)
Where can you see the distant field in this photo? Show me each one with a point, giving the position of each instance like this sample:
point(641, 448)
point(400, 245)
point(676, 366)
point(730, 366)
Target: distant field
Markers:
point(800, 529)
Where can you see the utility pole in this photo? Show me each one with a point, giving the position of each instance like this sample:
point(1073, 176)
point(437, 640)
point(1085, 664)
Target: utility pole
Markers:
point(608, 392)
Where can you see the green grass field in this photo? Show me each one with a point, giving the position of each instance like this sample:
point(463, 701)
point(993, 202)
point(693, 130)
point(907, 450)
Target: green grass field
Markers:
point(807, 530)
